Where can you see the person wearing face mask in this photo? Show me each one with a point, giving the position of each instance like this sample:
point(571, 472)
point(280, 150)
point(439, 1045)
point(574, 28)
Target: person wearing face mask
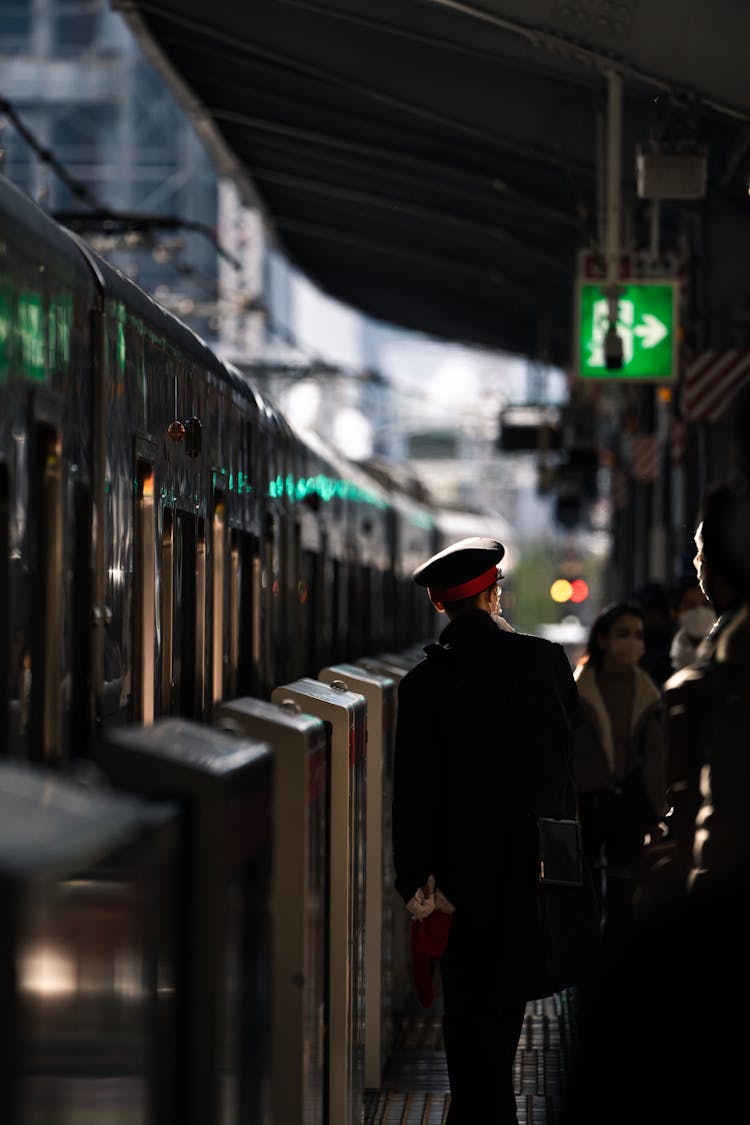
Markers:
point(618, 762)
point(694, 617)
point(698, 703)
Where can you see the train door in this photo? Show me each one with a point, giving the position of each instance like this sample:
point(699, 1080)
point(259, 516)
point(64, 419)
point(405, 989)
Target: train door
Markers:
point(201, 580)
point(184, 618)
point(43, 665)
point(300, 623)
point(352, 646)
point(5, 636)
point(322, 601)
point(166, 610)
point(269, 604)
point(337, 584)
point(82, 599)
point(144, 594)
point(218, 596)
point(245, 632)
point(365, 610)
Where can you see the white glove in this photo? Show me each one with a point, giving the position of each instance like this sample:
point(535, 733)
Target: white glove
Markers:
point(502, 624)
point(429, 898)
point(422, 904)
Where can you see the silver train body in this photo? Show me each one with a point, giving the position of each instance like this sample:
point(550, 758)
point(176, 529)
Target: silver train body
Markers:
point(168, 540)
point(169, 545)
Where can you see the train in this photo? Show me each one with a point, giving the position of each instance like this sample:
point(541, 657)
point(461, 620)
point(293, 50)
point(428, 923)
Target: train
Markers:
point(178, 563)
point(150, 492)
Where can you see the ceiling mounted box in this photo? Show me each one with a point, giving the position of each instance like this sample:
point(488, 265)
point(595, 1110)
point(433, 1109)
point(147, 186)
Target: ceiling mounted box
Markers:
point(671, 177)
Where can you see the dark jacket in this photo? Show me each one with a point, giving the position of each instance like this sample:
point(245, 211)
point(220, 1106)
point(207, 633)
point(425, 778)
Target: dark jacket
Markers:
point(483, 746)
point(721, 852)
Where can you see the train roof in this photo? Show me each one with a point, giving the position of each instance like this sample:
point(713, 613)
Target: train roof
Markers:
point(28, 226)
point(349, 471)
point(117, 286)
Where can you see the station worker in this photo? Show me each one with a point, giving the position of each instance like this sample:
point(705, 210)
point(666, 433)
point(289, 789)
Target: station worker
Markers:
point(483, 745)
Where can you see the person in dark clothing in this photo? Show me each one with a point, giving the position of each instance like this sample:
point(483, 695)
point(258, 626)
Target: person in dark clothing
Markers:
point(619, 761)
point(683, 974)
point(483, 746)
point(697, 696)
point(721, 843)
point(659, 628)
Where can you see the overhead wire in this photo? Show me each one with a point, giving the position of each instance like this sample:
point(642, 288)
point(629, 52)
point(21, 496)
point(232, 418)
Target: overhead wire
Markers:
point(104, 218)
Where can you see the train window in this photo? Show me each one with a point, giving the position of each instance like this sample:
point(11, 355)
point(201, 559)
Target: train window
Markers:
point(5, 670)
point(266, 601)
point(81, 602)
point(322, 599)
point(167, 612)
point(308, 602)
point(217, 593)
point(199, 704)
point(184, 617)
point(365, 609)
point(144, 665)
point(234, 611)
point(254, 615)
point(358, 611)
point(244, 612)
point(336, 616)
point(46, 653)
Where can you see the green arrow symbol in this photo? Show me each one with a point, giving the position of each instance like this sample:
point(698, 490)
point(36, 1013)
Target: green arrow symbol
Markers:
point(651, 331)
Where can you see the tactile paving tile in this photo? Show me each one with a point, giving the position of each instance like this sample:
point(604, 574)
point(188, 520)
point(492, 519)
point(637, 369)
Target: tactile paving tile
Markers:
point(411, 1109)
point(415, 1088)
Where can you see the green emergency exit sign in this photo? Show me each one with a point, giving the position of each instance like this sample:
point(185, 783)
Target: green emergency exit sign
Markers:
point(646, 324)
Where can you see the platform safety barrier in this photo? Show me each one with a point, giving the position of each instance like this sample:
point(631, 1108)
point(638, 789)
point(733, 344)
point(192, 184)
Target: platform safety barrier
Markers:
point(379, 693)
point(344, 713)
point(223, 786)
point(299, 901)
point(86, 977)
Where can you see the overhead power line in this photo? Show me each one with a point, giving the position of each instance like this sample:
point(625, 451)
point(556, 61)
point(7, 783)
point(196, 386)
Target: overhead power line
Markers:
point(105, 221)
point(99, 217)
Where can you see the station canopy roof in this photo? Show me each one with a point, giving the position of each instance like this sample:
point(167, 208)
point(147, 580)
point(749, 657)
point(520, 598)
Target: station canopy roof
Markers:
point(438, 164)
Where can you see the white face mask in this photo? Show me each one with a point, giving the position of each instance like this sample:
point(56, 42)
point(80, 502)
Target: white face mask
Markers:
point(697, 621)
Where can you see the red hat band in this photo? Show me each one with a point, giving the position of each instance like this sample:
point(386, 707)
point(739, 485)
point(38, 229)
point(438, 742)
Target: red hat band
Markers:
point(465, 589)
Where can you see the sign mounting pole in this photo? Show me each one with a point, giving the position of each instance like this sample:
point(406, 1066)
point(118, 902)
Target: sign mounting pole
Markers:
point(614, 195)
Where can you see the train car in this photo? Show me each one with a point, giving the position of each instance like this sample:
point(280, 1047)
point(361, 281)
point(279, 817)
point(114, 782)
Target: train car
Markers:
point(47, 293)
point(168, 543)
point(171, 541)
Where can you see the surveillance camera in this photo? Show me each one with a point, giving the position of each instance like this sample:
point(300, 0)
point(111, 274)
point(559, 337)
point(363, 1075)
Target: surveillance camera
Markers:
point(612, 349)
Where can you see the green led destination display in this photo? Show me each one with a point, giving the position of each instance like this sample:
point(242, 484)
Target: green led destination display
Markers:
point(646, 324)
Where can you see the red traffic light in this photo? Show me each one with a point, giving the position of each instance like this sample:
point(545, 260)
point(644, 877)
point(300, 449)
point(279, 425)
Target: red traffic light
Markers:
point(579, 590)
point(562, 590)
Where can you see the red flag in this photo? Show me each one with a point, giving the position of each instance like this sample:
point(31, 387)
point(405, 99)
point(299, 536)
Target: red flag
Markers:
point(428, 941)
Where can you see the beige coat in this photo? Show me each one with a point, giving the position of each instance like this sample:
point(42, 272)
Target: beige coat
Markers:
point(594, 759)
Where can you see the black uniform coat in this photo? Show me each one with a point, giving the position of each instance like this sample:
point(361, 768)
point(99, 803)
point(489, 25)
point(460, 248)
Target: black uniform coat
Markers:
point(483, 746)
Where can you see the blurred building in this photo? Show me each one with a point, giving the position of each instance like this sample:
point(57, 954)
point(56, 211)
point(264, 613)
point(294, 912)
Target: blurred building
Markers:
point(89, 127)
point(91, 132)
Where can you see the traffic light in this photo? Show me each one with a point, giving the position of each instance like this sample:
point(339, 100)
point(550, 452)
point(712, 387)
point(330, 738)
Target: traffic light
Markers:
point(568, 510)
point(563, 590)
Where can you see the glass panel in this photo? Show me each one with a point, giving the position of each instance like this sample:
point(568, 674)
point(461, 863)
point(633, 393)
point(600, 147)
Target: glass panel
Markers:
point(167, 613)
point(145, 594)
point(199, 703)
point(183, 662)
point(45, 666)
point(217, 544)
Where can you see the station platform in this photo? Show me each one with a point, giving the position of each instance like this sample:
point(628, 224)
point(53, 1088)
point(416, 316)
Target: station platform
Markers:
point(415, 1088)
